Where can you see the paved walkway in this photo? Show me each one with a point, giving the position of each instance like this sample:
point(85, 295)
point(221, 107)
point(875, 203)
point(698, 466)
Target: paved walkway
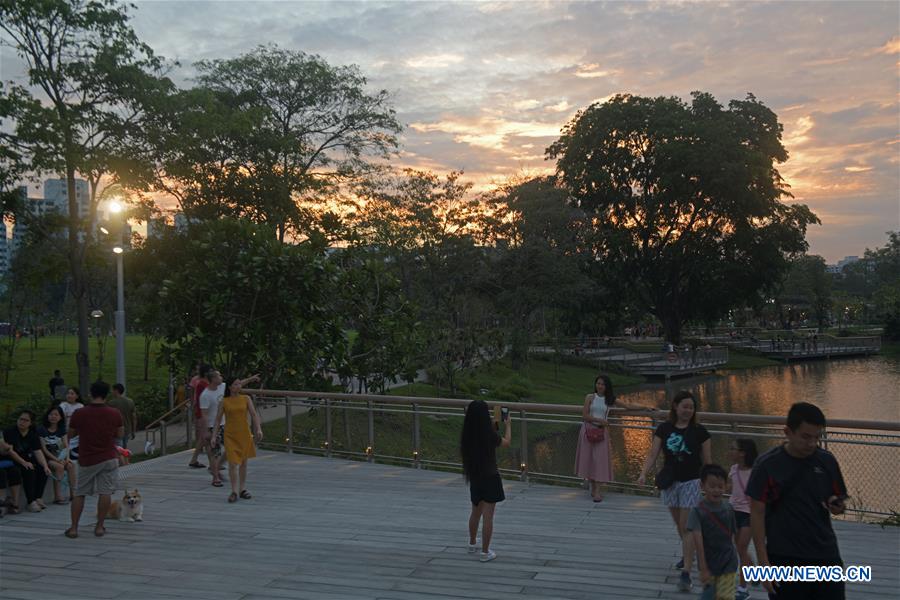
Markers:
point(330, 529)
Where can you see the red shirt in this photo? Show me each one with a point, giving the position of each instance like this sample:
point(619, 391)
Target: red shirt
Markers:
point(96, 426)
point(198, 389)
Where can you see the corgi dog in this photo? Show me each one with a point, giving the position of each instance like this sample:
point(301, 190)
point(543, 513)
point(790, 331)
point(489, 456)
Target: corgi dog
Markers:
point(130, 509)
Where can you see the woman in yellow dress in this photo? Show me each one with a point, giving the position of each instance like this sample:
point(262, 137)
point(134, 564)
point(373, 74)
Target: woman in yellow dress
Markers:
point(239, 442)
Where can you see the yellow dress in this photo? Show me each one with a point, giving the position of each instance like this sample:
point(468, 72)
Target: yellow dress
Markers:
point(238, 439)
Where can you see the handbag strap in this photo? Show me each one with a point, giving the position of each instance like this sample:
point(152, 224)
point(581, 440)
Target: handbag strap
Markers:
point(715, 519)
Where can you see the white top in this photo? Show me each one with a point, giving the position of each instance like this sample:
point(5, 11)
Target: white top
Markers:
point(69, 409)
point(599, 409)
point(209, 404)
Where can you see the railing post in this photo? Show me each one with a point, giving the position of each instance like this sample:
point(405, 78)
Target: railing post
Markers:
point(189, 419)
point(328, 428)
point(289, 425)
point(523, 466)
point(163, 439)
point(370, 450)
point(416, 436)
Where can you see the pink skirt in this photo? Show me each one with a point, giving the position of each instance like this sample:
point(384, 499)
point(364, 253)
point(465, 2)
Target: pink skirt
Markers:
point(593, 461)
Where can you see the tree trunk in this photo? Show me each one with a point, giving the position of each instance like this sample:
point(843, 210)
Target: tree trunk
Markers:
point(146, 357)
point(76, 265)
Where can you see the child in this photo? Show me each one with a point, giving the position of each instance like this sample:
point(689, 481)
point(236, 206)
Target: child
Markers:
point(478, 447)
point(743, 453)
point(712, 524)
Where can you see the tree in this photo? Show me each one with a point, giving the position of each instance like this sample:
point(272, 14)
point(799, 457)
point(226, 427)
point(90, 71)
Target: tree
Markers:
point(807, 284)
point(685, 198)
point(88, 75)
point(239, 299)
point(885, 265)
point(267, 131)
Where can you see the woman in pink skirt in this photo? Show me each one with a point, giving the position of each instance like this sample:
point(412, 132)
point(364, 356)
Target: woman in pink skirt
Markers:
point(592, 459)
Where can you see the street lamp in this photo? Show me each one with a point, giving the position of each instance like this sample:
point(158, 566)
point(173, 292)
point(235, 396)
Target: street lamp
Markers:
point(116, 207)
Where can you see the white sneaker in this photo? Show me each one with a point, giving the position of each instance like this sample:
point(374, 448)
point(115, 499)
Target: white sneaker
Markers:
point(487, 556)
point(473, 548)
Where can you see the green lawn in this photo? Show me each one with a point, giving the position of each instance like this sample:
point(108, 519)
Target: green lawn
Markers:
point(32, 370)
point(747, 360)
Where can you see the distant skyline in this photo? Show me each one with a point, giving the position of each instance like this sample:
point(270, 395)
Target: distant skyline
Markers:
point(486, 87)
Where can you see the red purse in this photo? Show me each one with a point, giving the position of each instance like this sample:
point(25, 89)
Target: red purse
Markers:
point(594, 434)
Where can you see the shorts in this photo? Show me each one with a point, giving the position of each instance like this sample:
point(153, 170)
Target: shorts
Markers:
point(722, 587)
point(487, 489)
point(98, 479)
point(219, 448)
point(741, 519)
point(682, 494)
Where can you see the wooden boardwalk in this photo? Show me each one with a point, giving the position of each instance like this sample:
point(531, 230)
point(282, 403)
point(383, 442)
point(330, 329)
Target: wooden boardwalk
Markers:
point(331, 529)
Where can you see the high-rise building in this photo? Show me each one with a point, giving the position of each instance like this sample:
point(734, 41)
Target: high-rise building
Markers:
point(56, 196)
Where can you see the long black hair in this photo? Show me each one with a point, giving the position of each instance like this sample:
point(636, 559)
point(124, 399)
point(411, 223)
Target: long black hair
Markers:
point(478, 442)
point(61, 425)
point(748, 447)
point(609, 395)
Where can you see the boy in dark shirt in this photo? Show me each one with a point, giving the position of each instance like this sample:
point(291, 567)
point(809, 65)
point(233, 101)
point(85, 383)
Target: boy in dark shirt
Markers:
point(793, 488)
point(713, 526)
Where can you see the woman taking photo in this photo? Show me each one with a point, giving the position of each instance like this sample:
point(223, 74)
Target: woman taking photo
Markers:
point(236, 408)
point(592, 457)
point(686, 446)
point(478, 448)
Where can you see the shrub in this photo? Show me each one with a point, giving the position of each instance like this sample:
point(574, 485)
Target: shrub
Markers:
point(150, 403)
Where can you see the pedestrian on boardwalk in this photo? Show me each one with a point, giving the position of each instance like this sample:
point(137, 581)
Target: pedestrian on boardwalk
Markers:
point(686, 447)
point(593, 460)
point(125, 406)
point(712, 525)
point(743, 453)
point(98, 426)
point(236, 408)
point(201, 429)
point(209, 410)
point(30, 464)
point(794, 490)
point(478, 448)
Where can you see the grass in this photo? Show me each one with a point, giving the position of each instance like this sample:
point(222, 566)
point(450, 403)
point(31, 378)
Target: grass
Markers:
point(747, 360)
point(890, 348)
point(32, 370)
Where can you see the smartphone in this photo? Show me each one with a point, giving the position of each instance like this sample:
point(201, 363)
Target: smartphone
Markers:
point(504, 413)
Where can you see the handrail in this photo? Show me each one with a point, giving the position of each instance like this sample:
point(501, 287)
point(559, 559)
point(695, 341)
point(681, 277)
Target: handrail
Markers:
point(707, 417)
point(165, 416)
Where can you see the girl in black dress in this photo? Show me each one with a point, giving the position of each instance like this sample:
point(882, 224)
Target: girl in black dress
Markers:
point(478, 447)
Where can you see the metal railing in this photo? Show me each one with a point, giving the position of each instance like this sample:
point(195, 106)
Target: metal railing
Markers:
point(424, 433)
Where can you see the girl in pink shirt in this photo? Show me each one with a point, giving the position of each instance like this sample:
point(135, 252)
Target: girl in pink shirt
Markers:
point(743, 453)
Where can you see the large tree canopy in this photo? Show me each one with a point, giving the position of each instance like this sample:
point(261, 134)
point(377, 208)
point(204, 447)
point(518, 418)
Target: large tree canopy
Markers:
point(685, 196)
point(88, 77)
point(264, 132)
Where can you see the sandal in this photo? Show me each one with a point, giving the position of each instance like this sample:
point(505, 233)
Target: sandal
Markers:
point(232, 497)
point(217, 483)
point(197, 465)
point(61, 501)
point(99, 531)
point(245, 495)
point(71, 533)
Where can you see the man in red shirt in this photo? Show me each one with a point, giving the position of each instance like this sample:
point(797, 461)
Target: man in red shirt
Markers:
point(98, 427)
point(198, 384)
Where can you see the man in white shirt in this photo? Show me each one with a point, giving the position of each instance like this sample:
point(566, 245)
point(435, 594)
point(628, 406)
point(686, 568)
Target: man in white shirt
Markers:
point(210, 400)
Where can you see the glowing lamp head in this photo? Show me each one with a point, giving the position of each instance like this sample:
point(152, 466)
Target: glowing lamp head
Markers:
point(118, 250)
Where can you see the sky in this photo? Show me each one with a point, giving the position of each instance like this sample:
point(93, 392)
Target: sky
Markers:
point(485, 87)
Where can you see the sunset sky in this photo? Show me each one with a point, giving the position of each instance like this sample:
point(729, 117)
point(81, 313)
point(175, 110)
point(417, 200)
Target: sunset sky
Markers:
point(486, 87)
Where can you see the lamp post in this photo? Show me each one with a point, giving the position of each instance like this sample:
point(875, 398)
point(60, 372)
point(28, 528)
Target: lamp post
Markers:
point(116, 207)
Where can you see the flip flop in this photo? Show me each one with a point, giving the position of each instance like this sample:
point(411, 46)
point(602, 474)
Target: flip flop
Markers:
point(245, 495)
point(196, 465)
point(60, 502)
point(99, 531)
point(232, 497)
point(217, 484)
point(71, 534)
